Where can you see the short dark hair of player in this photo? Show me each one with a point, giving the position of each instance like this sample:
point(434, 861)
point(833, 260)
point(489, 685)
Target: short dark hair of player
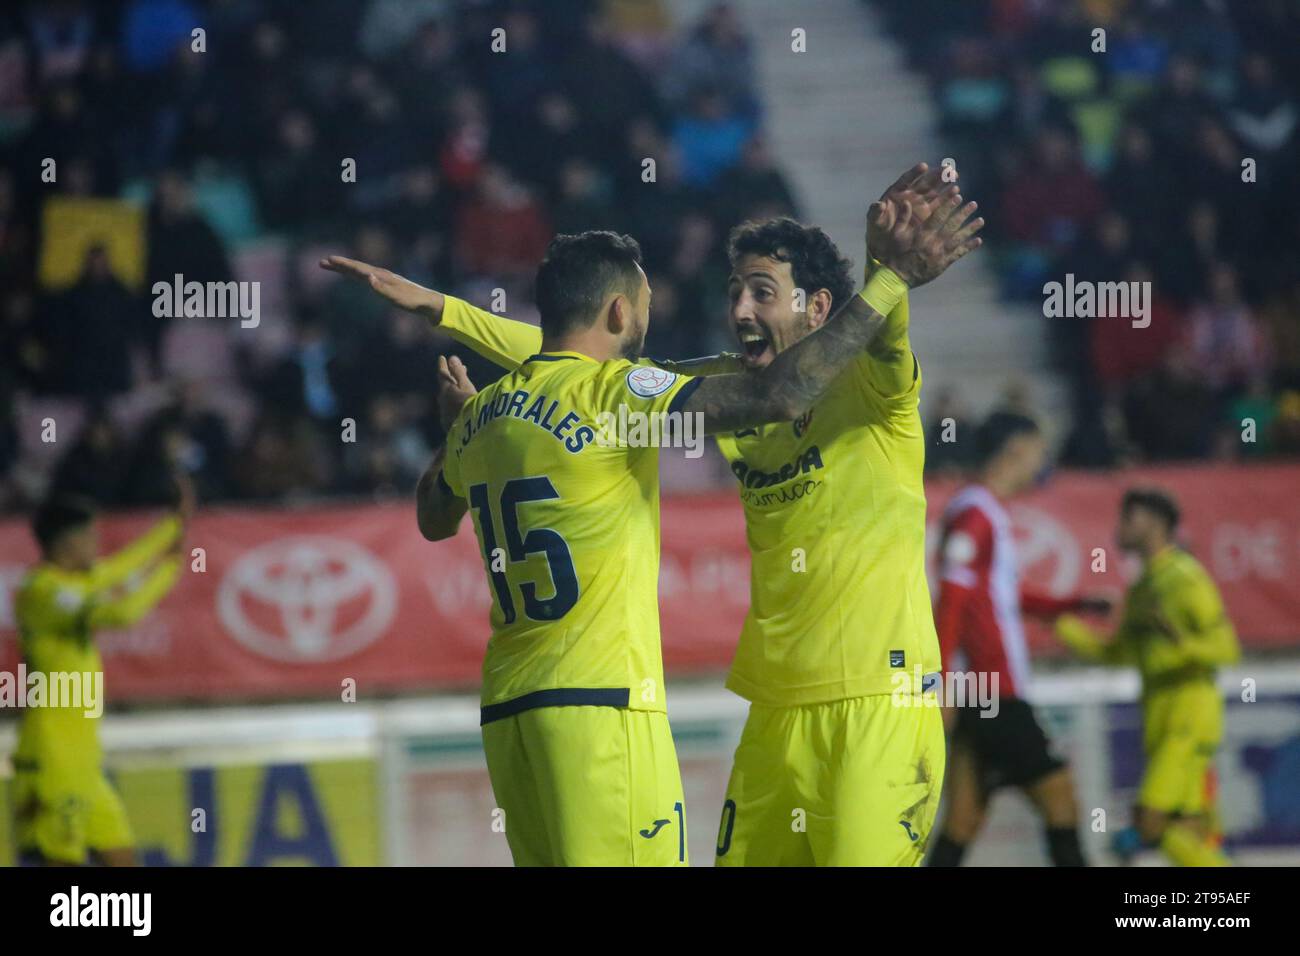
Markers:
point(1155, 501)
point(578, 272)
point(58, 515)
point(997, 430)
point(815, 262)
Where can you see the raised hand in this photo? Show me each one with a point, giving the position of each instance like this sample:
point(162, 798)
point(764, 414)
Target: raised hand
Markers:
point(921, 250)
point(1097, 603)
point(186, 503)
point(186, 497)
point(400, 291)
point(921, 188)
point(454, 389)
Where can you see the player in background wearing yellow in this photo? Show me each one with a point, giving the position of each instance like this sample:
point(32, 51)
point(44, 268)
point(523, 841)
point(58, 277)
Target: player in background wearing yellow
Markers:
point(829, 770)
point(66, 810)
point(574, 725)
point(1173, 627)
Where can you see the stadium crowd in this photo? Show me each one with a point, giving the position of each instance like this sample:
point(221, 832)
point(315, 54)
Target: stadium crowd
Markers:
point(1125, 163)
point(467, 160)
point(224, 157)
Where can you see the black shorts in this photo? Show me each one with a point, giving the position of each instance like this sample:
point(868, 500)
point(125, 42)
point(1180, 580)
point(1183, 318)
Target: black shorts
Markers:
point(1010, 749)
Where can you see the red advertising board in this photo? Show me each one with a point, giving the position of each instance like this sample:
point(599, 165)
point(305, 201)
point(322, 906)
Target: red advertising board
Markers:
point(295, 602)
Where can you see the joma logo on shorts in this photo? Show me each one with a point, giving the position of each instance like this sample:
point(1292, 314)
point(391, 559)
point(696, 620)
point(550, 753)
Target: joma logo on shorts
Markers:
point(659, 825)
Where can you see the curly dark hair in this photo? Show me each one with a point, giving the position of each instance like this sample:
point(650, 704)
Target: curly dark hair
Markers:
point(815, 262)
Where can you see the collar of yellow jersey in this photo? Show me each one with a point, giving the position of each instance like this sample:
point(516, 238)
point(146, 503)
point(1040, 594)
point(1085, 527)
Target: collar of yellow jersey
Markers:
point(1163, 555)
point(557, 357)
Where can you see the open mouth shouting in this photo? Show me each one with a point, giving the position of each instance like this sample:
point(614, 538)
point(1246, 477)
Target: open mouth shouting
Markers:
point(755, 345)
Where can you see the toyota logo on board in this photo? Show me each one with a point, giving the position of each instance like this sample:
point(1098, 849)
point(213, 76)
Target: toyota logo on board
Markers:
point(308, 598)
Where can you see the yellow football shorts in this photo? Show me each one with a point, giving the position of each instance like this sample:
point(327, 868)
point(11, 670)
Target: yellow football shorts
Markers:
point(65, 819)
point(1182, 730)
point(588, 786)
point(845, 783)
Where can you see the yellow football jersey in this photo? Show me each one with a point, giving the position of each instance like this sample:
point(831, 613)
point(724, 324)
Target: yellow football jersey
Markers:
point(58, 612)
point(508, 342)
point(1182, 708)
point(835, 518)
point(568, 524)
point(1175, 585)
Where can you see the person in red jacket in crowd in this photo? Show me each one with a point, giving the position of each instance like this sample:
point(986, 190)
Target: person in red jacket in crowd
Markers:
point(998, 742)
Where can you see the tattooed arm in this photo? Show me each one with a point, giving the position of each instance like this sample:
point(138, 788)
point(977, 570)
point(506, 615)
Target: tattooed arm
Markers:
point(913, 253)
point(795, 380)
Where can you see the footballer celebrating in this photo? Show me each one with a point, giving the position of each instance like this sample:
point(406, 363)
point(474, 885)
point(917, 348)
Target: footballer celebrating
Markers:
point(828, 771)
point(592, 643)
point(67, 812)
point(1173, 627)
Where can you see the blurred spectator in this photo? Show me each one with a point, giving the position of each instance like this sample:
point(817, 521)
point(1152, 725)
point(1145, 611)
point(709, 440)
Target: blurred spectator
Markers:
point(502, 230)
point(284, 458)
point(62, 34)
point(153, 30)
point(305, 379)
point(605, 84)
point(1227, 348)
point(1263, 113)
point(96, 465)
point(464, 149)
point(351, 313)
point(709, 137)
point(1054, 198)
point(584, 200)
point(180, 243)
point(756, 189)
point(389, 23)
point(1178, 108)
point(390, 453)
point(30, 356)
point(1171, 414)
point(93, 327)
point(1255, 409)
point(1122, 352)
point(183, 436)
point(716, 55)
point(291, 192)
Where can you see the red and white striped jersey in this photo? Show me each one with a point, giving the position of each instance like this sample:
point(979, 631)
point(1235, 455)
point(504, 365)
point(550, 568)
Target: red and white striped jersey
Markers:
point(980, 597)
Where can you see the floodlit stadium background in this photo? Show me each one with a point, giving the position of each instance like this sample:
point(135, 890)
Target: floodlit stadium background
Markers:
point(226, 164)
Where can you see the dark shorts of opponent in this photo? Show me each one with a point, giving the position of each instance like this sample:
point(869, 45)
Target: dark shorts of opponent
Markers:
point(1011, 749)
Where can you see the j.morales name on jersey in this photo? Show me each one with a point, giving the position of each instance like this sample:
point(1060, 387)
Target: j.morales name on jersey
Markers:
point(512, 404)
